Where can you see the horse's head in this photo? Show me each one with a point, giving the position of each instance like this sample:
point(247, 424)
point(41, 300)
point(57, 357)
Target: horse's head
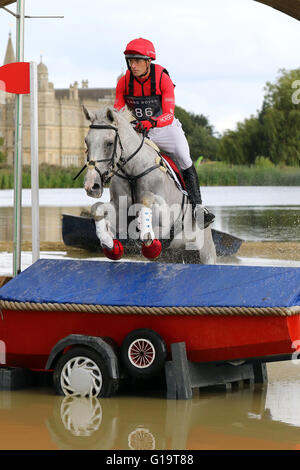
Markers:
point(103, 149)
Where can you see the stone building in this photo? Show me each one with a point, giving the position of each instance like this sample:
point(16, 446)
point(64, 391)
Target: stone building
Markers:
point(62, 124)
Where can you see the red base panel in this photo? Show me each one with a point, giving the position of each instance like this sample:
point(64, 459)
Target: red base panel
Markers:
point(29, 336)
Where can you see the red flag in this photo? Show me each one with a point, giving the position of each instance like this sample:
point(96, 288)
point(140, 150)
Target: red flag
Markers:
point(16, 77)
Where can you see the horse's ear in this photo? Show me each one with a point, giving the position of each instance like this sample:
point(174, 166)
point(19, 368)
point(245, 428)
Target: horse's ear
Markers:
point(88, 114)
point(110, 115)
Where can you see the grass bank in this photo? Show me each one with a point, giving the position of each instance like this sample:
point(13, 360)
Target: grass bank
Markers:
point(210, 174)
point(49, 177)
point(222, 174)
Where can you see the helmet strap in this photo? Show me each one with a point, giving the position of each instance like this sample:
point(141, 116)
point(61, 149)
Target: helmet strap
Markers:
point(147, 70)
point(143, 74)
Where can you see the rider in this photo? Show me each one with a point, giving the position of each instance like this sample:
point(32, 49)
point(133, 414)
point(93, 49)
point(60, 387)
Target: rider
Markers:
point(148, 91)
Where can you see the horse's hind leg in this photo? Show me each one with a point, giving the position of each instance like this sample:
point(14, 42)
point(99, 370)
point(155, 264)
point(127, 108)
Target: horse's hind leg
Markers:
point(207, 251)
point(195, 240)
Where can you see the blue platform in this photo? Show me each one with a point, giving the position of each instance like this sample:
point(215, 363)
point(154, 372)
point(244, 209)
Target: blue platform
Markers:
point(154, 284)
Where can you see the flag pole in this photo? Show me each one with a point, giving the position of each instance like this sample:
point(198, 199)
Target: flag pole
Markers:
point(34, 163)
point(18, 145)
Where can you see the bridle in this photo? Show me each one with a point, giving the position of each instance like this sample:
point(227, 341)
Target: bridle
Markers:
point(106, 176)
point(116, 166)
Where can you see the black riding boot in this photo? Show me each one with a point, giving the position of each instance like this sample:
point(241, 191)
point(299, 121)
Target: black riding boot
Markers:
point(202, 215)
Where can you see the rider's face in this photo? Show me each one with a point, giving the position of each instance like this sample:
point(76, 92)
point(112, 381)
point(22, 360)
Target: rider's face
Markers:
point(138, 66)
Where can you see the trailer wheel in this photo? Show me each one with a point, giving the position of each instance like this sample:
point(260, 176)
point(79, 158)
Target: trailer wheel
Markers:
point(143, 353)
point(81, 371)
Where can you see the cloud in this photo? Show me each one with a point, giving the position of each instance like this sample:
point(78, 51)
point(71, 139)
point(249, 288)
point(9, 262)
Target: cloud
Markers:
point(219, 53)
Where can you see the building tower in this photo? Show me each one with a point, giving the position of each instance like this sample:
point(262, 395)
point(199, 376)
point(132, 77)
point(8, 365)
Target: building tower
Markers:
point(10, 53)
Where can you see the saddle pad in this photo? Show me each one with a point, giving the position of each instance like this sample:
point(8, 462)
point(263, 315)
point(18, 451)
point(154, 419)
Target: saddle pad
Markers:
point(175, 171)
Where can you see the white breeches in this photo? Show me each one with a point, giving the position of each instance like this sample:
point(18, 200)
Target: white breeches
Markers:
point(171, 140)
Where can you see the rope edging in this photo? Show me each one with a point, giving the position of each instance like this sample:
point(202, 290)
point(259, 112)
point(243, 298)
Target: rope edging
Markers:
point(134, 310)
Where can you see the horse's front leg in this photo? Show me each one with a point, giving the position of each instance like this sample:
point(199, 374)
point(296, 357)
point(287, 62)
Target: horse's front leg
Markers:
point(102, 213)
point(145, 225)
point(105, 216)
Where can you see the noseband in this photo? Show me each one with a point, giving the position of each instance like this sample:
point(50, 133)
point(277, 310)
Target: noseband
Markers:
point(107, 175)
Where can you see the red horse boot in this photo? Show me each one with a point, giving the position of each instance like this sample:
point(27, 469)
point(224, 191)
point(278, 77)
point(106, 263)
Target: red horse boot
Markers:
point(152, 251)
point(116, 252)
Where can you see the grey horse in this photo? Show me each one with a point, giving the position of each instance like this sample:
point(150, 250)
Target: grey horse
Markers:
point(146, 202)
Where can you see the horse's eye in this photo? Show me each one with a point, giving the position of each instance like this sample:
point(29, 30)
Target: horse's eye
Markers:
point(109, 144)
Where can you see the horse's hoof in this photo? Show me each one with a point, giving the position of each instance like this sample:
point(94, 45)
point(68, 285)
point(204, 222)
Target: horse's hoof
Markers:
point(152, 251)
point(116, 252)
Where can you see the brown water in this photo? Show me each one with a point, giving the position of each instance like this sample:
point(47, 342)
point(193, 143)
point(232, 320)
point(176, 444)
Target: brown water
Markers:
point(50, 223)
point(251, 223)
point(255, 417)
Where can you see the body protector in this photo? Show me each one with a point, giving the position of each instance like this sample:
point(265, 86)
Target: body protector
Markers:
point(146, 98)
point(145, 107)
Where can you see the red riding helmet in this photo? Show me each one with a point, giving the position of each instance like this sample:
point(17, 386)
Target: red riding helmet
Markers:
point(141, 49)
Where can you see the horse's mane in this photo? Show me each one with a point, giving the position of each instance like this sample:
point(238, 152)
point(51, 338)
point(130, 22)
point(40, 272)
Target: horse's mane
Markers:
point(124, 112)
point(127, 114)
point(129, 117)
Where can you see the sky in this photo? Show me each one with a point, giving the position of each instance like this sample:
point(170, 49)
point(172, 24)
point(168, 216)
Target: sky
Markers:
point(219, 53)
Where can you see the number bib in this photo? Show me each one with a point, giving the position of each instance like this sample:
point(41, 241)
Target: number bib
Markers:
point(144, 107)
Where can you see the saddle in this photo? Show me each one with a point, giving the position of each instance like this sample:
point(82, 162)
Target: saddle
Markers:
point(169, 166)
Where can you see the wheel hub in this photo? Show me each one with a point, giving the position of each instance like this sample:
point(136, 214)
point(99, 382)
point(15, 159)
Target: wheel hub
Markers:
point(141, 353)
point(81, 376)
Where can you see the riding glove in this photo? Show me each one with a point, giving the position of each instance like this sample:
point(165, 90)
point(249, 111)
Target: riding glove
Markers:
point(142, 126)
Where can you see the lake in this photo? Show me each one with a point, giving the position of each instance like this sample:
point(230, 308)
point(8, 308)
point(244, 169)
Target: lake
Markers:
point(252, 213)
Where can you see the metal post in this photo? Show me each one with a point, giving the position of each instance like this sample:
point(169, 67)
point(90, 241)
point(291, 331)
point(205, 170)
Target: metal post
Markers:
point(34, 163)
point(18, 144)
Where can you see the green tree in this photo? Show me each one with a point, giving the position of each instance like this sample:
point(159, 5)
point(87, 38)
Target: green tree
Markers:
point(282, 118)
point(275, 132)
point(201, 142)
point(185, 119)
point(241, 147)
point(201, 120)
point(199, 133)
